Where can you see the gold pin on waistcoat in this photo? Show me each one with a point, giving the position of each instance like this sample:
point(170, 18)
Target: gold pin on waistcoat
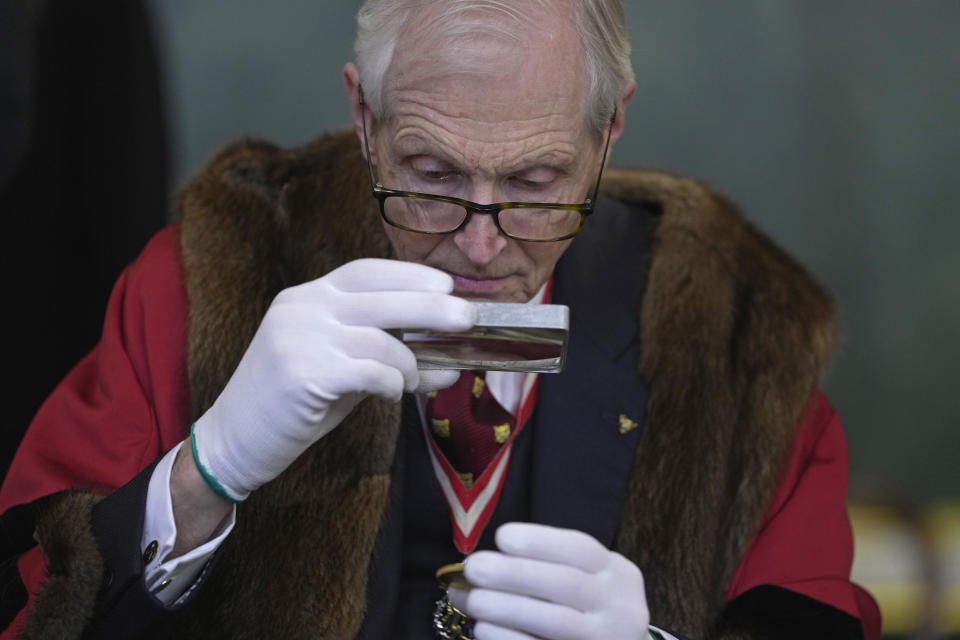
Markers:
point(626, 425)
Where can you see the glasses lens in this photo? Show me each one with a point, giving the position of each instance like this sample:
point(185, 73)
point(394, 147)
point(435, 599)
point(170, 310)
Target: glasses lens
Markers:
point(539, 224)
point(422, 214)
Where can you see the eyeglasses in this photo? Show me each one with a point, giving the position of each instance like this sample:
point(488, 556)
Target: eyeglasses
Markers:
point(438, 214)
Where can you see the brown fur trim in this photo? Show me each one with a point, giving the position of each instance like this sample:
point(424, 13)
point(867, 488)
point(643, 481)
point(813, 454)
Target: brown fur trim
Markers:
point(256, 221)
point(64, 605)
point(260, 219)
point(734, 337)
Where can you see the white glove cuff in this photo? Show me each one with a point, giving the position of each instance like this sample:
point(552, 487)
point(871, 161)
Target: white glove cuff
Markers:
point(204, 467)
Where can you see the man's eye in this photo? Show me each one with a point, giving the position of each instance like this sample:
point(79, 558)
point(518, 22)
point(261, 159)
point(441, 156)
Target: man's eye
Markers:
point(437, 176)
point(530, 185)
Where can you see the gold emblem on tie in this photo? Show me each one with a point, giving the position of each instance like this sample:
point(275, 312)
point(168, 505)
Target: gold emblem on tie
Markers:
point(466, 479)
point(478, 385)
point(432, 394)
point(502, 433)
point(441, 427)
point(626, 425)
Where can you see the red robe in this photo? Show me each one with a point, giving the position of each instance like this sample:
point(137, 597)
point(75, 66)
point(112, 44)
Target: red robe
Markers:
point(127, 403)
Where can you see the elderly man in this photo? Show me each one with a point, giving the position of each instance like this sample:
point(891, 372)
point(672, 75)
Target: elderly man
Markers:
point(681, 475)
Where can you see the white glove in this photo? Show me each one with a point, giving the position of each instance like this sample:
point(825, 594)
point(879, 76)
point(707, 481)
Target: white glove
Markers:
point(552, 583)
point(319, 350)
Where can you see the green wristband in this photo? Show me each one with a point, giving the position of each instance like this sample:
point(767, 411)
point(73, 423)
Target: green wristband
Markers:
point(218, 488)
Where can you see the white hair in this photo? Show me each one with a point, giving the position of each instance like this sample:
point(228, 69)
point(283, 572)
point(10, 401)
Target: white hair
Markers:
point(599, 23)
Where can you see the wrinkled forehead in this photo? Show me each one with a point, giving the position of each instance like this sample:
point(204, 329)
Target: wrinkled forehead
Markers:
point(501, 59)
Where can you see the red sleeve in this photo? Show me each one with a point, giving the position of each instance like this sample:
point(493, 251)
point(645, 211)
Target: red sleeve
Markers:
point(805, 543)
point(122, 406)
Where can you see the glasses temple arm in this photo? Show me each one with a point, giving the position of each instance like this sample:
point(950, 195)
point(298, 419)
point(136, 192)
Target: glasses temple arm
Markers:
point(366, 143)
point(603, 158)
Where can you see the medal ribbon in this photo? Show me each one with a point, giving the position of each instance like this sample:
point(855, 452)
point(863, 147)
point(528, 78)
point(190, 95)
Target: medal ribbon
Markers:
point(471, 509)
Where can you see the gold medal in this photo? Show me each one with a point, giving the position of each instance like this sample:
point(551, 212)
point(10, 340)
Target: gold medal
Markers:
point(449, 622)
point(451, 575)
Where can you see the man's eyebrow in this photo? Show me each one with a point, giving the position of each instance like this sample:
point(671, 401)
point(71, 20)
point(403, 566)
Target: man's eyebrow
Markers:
point(407, 147)
point(414, 146)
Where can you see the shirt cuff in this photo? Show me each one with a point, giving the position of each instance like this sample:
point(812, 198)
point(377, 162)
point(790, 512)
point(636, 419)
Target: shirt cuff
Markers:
point(171, 582)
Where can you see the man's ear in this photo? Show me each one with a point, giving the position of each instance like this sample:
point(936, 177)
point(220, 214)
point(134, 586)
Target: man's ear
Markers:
point(621, 120)
point(351, 82)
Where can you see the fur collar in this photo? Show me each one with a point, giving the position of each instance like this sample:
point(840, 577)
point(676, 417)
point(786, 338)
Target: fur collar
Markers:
point(733, 338)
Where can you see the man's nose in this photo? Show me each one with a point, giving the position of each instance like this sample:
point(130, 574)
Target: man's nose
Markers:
point(480, 240)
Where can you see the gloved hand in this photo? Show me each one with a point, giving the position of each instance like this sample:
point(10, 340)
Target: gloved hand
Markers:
point(552, 583)
point(319, 350)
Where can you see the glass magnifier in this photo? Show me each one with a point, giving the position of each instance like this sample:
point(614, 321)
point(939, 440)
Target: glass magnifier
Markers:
point(507, 337)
